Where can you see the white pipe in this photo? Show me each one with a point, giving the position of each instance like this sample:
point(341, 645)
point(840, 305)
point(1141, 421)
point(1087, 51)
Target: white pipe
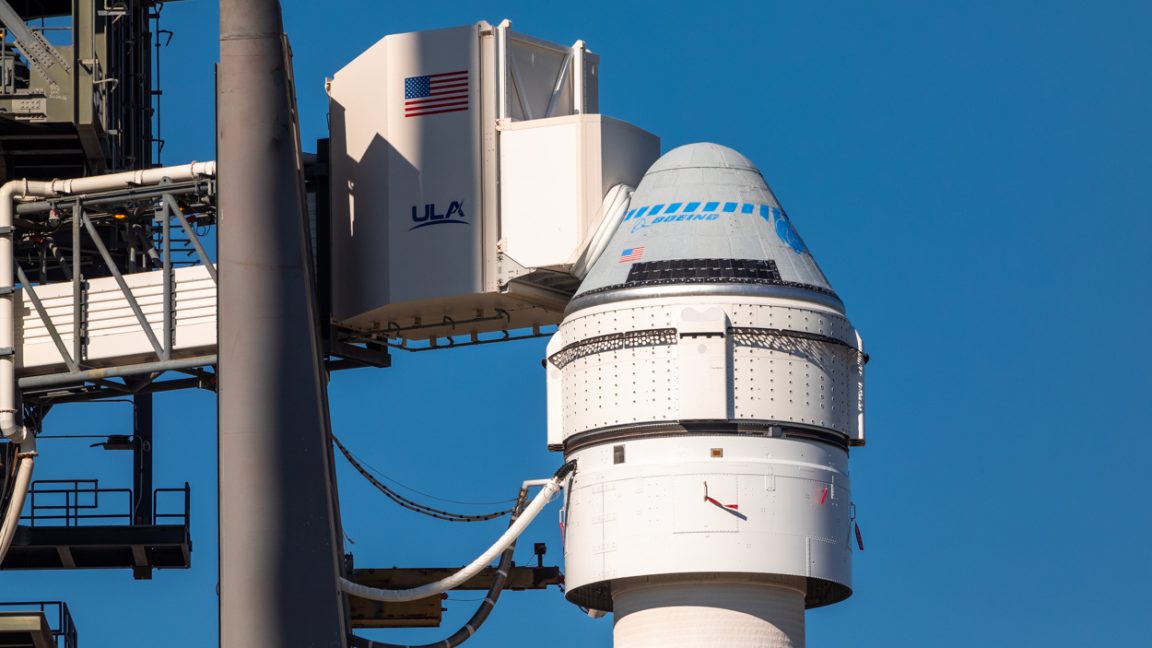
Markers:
point(611, 214)
point(577, 53)
point(542, 498)
point(10, 425)
point(502, 68)
point(27, 457)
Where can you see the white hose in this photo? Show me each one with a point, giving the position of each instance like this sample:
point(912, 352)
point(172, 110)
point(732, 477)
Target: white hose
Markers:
point(612, 209)
point(551, 487)
point(27, 457)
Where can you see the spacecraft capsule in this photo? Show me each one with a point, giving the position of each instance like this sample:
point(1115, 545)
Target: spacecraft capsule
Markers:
point(707, 382)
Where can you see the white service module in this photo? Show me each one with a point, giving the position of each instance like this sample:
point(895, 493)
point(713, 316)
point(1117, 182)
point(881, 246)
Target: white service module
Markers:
point(708, 386)
point(468, 166)
point(113, 334)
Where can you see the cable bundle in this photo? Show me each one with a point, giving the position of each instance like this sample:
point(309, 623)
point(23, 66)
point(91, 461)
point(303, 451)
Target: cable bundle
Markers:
point(411, 505)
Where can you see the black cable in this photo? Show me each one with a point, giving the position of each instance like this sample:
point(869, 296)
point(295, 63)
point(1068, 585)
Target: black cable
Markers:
point(411, 505)
point(493, 595)
point(376, 471)
point(481, 614)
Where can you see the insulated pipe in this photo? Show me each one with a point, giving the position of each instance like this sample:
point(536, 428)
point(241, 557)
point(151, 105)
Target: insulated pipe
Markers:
point(551, 487)
point(27, 456)
point(9, 425)
point(481, 614)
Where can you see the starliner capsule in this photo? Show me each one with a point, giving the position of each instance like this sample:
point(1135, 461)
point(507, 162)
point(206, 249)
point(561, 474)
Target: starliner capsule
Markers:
point(708, 384)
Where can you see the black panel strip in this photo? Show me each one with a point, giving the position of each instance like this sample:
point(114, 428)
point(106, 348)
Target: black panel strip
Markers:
point(741, 336)
point(703, 271)
point(612, 342)
point(598, 595)
point(667, 429)
point(750, 335)
point(706, 271)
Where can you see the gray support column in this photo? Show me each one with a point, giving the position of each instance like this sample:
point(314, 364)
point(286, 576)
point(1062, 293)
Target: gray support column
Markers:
point(142, 459)
point(142, 469)
point(279, 550)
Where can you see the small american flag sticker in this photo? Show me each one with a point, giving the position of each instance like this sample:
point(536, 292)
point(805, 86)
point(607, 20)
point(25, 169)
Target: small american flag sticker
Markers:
point(631, 254)
point(432, 94)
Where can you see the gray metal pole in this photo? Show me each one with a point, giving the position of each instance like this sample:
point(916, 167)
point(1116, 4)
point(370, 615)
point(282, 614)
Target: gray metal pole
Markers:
point(279, 553)
point(142, 513)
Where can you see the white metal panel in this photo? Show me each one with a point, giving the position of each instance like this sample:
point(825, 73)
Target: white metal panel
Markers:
point(419, 235)
point(652, 511)
point(114, 335)
point(554, 174)
point(702, 344)
point(541, 197)
point(406, 220)
point(555, 391)
point(692, 513)
point(772, 377)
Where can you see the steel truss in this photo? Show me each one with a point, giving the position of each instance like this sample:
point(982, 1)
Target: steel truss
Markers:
point(114, 234)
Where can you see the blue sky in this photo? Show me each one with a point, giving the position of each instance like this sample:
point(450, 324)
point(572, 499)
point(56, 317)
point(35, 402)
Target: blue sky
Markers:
point(972, 177)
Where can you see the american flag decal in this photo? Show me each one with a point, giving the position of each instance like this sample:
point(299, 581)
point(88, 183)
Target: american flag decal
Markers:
point(631, 254)
point(433, 94)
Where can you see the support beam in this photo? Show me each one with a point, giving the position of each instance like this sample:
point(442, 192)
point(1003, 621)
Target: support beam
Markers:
point(93, 375)
point(142, 459)
point(141, 476)
point(424, 613)
point(279, 550)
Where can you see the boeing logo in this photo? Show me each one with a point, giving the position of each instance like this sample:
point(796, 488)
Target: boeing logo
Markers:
point(430, 216)
point(679, 212)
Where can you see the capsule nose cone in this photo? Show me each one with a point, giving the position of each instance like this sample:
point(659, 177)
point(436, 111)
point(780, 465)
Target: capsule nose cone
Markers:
point(703, 215)
point(704, 155)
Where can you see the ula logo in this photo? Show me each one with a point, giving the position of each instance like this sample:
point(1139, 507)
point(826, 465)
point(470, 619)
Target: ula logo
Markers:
point(454, 214)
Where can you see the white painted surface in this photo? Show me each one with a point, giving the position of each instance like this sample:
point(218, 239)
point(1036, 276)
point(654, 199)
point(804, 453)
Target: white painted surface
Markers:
point(648, 515)
point(708, 615)
point(444, 218)
point(115, 336)
point(809, 383)
point(554, 174)
point(386, 164)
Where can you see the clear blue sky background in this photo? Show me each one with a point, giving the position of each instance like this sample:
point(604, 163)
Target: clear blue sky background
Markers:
point(974, 179)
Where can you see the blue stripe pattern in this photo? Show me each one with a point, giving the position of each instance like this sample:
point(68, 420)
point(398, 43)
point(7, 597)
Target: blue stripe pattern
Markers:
point(693, 211)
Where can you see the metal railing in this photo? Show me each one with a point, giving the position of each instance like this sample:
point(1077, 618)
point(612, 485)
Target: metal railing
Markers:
point(82, 502)
point(164, 233)
point(56, 612)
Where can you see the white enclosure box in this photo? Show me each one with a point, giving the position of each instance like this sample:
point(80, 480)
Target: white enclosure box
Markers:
point(554, 174)
point(467, 167)
point(406, 183)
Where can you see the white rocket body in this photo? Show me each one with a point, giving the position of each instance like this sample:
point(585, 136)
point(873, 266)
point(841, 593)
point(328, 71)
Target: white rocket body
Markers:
point(708, 384)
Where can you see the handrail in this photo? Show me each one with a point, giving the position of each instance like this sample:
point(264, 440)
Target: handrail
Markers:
point(78, 500)
point(63, 631)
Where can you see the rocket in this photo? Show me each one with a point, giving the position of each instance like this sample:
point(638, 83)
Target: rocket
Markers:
point(708, 384)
